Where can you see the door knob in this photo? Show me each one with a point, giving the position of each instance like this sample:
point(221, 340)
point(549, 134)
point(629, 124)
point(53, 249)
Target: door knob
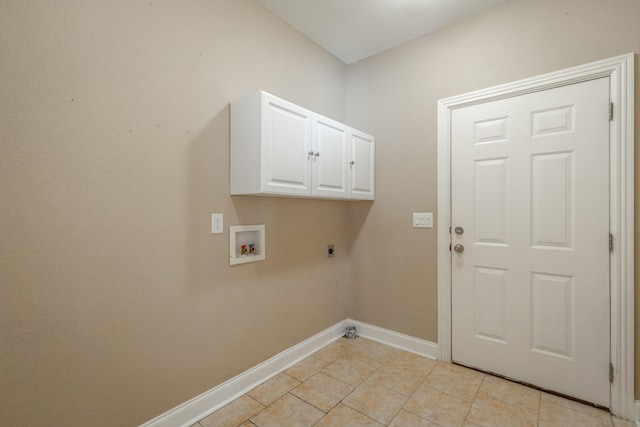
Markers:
point(458, 230)
point(458, 248)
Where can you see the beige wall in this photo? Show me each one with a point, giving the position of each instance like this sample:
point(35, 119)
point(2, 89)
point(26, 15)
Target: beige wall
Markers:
point(393, 95)
point(117, 302)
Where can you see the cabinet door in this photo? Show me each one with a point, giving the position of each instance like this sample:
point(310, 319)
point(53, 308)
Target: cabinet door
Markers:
point(362, 153)
point(286, 133)
point(330, 160)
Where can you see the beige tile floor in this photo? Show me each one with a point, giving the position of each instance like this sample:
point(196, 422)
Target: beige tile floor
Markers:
point(364, 383)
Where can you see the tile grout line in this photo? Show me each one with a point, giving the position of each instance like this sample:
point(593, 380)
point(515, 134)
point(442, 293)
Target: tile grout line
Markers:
point(475, 396)
point(356, 387)
point(539, 408)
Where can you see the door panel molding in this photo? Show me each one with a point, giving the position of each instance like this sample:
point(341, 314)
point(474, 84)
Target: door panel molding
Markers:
point(620, 71)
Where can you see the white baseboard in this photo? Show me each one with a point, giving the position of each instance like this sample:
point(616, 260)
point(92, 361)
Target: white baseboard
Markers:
point(210, 401)
point(396, 339)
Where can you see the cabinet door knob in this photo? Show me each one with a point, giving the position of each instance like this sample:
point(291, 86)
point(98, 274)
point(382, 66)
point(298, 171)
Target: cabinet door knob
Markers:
point(317, 154)
point(311, 153)
point(352, 162)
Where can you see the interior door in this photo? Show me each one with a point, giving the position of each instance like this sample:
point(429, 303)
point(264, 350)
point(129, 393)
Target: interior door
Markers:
point(530, 216)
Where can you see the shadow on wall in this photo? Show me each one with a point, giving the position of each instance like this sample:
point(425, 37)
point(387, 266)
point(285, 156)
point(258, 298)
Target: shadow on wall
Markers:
point(358, 213)
point(207, 191)
point(297, 230)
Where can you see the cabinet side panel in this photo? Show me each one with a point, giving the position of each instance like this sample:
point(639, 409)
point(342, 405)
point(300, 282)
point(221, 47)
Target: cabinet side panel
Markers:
point(244, 150)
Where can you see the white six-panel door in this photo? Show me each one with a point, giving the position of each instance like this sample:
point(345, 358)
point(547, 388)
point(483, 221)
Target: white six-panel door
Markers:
point(530, 191)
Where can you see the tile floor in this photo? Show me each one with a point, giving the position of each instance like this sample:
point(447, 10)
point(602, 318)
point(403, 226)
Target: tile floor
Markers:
point(364, 383)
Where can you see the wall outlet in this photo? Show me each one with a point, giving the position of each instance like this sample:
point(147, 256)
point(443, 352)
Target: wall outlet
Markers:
point(331, 251)
point(217, 224)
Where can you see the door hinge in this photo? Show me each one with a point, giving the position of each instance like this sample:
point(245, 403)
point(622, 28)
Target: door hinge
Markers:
point(611, 111)
point(610, 242)
point(610, 372)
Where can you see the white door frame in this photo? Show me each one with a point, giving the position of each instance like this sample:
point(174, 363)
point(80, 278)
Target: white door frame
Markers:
point(620, 71)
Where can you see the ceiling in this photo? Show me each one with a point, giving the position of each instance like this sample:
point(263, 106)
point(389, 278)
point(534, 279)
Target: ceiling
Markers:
point(355, 29)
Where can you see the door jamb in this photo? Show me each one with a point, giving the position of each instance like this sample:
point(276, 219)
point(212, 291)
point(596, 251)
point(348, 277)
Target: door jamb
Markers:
point(620, 71)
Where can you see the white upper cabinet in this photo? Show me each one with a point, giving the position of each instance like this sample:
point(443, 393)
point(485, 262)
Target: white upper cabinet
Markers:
point(330, 158)
point(281, 149)
point(362, 160)
point(270, 142)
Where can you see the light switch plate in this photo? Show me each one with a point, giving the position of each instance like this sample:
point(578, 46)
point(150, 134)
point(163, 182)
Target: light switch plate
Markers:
point(423, 220)
point(217, 224)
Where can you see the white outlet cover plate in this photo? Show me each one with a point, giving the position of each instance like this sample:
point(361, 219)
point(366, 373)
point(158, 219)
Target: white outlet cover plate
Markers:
point(423, 220)
point(217, 223)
